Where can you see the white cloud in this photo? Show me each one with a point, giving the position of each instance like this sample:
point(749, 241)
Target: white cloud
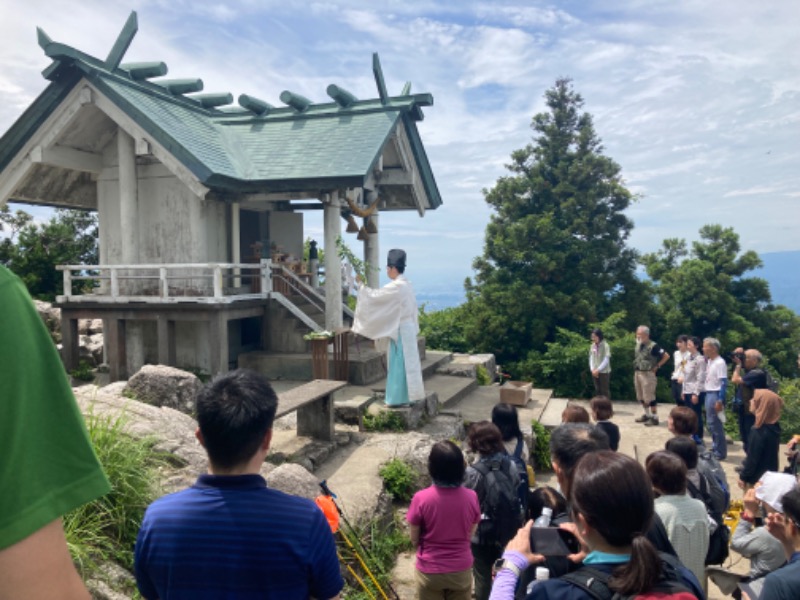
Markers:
point(698, 103)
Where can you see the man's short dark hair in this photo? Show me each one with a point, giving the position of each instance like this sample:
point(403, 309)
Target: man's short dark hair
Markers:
point(684, 420)
point(446, 463)
point(234, 412)
point(667, 471)
point(572, 441)
point(686, 448)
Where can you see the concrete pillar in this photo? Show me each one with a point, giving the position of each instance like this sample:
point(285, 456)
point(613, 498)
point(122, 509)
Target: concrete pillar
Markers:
point(333, 264)
point(372, 256)
point(128, 198)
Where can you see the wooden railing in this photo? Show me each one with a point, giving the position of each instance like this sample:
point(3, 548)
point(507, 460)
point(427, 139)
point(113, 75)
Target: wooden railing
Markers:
point(168, 283)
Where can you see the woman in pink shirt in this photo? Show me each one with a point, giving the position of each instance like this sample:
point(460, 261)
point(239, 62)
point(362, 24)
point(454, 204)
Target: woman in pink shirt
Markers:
point(442, 519)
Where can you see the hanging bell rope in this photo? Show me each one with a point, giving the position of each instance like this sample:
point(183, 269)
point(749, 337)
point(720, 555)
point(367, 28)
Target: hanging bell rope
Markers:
point(361, 212)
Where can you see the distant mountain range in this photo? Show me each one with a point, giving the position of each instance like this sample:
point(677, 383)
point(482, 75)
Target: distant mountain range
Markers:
point(782, 271)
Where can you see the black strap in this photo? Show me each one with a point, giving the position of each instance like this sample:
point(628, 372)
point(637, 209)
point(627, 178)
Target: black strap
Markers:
point(591, 580)
point(518, 449)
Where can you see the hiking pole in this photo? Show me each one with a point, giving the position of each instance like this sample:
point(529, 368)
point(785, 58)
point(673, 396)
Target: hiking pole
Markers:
point(356, 577)
point(327, 491)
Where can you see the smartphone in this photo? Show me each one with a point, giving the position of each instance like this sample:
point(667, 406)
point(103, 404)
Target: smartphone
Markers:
point(553, 541)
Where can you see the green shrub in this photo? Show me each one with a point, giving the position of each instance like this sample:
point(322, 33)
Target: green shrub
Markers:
point(482, 375)
point(789, 390)
point(385, 420)
point(541, 447)
point(83, 372)
point(378, 546)
point(444, 329)
point(106, 529)
point(399, 479)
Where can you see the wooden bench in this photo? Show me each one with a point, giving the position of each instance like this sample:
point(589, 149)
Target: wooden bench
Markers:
point(313, 402)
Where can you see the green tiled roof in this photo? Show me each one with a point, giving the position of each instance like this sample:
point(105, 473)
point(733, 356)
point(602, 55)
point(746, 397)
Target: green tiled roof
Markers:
point(325, 145)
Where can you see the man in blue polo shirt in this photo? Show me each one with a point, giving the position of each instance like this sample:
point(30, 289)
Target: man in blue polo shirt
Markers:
point(229, 536)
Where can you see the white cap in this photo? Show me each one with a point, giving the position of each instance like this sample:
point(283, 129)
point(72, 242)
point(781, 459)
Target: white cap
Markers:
point(542, 573)
point(547, 511)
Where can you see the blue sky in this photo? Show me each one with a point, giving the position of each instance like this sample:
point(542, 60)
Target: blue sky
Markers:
point(698, 102)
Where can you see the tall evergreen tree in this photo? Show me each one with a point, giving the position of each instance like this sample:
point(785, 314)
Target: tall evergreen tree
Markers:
point(555, 251)
point(710, 291)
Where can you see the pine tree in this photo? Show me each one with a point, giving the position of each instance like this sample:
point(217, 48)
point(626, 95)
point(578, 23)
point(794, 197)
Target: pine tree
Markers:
point(555, 251)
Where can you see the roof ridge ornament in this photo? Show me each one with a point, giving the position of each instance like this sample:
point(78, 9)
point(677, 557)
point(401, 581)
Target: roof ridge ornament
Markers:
point(296, 101)
point(123, 42)
point(341, 96)
point(255, 105)
point(377, 70)
point(145, 70)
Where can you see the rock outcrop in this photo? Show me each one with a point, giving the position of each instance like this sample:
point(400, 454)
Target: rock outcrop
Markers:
point(160, 385)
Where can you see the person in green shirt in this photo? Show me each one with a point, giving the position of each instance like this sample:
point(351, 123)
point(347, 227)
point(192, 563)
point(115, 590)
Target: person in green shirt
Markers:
point(48, 466)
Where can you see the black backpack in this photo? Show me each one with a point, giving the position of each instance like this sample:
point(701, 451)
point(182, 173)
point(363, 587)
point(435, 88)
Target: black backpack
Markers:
point(719, 540)
point(522, 472)
point(670, 585)
point(501, 511)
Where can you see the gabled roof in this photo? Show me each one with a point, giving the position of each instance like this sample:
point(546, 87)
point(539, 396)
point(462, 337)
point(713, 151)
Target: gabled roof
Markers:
point(259, 148)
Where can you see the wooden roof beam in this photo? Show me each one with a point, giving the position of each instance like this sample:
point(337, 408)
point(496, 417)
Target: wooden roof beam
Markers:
point(68, 158)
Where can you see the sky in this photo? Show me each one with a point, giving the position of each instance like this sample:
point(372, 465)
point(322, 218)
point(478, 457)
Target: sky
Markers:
point(699, 102)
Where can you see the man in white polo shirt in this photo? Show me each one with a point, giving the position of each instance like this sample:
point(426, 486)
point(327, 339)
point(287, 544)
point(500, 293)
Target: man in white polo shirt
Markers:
point(715, 386)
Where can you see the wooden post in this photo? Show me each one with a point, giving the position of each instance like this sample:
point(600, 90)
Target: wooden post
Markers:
point(217, 281)
point(319, 358)
point(218, 343)
point(266, 276)
point(162, 277)
point(166, 341)
point(114, 282)
point(69, 340)
point(128, 198)
point(372, 256)
point(118, 367)
point(236, 243)
point(67, 274)
point(333, 264)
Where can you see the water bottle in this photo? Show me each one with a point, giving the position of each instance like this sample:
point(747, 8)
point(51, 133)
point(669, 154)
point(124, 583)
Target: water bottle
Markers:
point(544, 518)
point(542, 574)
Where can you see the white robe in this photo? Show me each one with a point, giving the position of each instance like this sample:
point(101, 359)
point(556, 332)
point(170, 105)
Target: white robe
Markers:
point(386, 313)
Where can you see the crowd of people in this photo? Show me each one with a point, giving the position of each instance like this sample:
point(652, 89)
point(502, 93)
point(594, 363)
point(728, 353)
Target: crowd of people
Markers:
point(611, 526)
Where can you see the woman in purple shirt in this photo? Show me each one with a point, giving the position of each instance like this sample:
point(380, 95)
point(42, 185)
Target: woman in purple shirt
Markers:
point(442, 519)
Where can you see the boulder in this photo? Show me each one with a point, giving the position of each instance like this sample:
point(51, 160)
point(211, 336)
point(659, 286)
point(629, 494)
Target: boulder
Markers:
point(160, 385)
point(90, 349)
point(51, 318)
point(293, 479)
point(487, 361)
point(90, 326)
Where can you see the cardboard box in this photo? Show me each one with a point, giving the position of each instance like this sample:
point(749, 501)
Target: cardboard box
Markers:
point(516, 392)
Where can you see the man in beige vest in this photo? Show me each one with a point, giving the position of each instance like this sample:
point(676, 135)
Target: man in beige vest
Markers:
point(647, 359)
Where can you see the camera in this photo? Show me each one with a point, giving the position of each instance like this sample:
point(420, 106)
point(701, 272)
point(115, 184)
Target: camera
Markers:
point(738, 356)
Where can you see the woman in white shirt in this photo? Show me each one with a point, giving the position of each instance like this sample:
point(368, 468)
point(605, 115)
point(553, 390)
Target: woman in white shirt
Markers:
point(681, 357)
point(693, 382)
